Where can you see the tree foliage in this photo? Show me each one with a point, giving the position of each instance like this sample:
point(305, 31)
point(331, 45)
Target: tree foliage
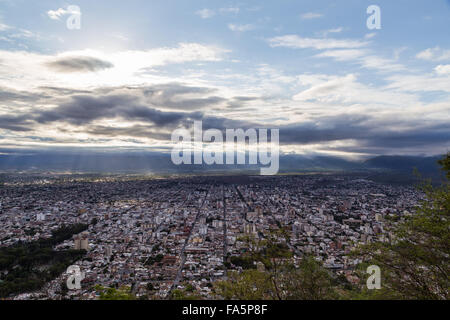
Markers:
point(122, 293)
point(26, 267)
point(279, 279)
point(178, 294)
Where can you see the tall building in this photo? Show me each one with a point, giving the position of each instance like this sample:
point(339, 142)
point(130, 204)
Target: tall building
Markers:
point(108, 251)
point(249, 228)
point(203, 230)
point(217, 224)
point(81, 241)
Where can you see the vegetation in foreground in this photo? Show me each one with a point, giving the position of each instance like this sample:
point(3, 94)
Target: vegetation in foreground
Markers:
point(26, 267)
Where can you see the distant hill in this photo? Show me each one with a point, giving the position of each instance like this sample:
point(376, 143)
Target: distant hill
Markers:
point(317, 163)
point(404, 163)
point(400, 169)
point(141, 161)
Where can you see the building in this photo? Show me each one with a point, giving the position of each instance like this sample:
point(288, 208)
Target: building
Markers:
point(81, 241)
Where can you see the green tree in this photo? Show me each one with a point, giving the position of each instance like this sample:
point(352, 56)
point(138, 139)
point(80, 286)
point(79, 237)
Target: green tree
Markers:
point(189, 288)
point(310, 281)
point(248, 285)
point(445, 164)
point(122, 293)
point(178, 294)
point(280, 279)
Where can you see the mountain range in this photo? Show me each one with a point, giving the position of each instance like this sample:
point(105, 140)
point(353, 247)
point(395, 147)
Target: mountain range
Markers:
point(154, 162)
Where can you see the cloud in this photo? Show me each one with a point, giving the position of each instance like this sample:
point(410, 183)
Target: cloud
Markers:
point(117, 112)
point(417, 137)
point(11, 95)
point(136, 130)
point(297, 42)
point(4, 27)
point(130, 103)
point(130, 66)
point(347, 132)
point(79, 64)
point(363, 57)
point(205, 13)
point(149, 104)
point(83, 109)
point(343, 55)
point(209, 13)
point(347, 91)
point(420, 83)
point(311, 15)
point(434, 54)
point(380, 64)
point(240, 27)
point(442, 69)
point(333, 30)
point(362, 134)
point(341, 127)
point(57, 14)
point(234, 10)
point(337, 113)
point(181, 97)
point(61, 91)
point(11, 34)
point(370, 35)
point(15, 123)
point(142, 95)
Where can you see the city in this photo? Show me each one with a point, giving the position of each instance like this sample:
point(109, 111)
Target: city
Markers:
point(155, 235)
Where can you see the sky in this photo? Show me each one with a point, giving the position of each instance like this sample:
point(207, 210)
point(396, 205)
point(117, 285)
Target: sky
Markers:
point(134, 71)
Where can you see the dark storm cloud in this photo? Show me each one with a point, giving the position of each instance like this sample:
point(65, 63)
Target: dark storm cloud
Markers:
point(243, 98)
point(170, 95)
point(84, 109)
point(326, 129)
point(434, 134)
point(159, 118)
point(163, 131)
point(169, 90)
point(63, 91)
point(78, 64)
point(240, 102)
point(15, 123)
point(222, 123)
point(126, 103)
point(8, 94)
point(368, 137)
point(138, 131)
point(178, 96)
point(432, 138)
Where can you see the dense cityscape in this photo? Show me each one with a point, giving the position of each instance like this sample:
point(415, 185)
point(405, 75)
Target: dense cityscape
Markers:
point(158, 234)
